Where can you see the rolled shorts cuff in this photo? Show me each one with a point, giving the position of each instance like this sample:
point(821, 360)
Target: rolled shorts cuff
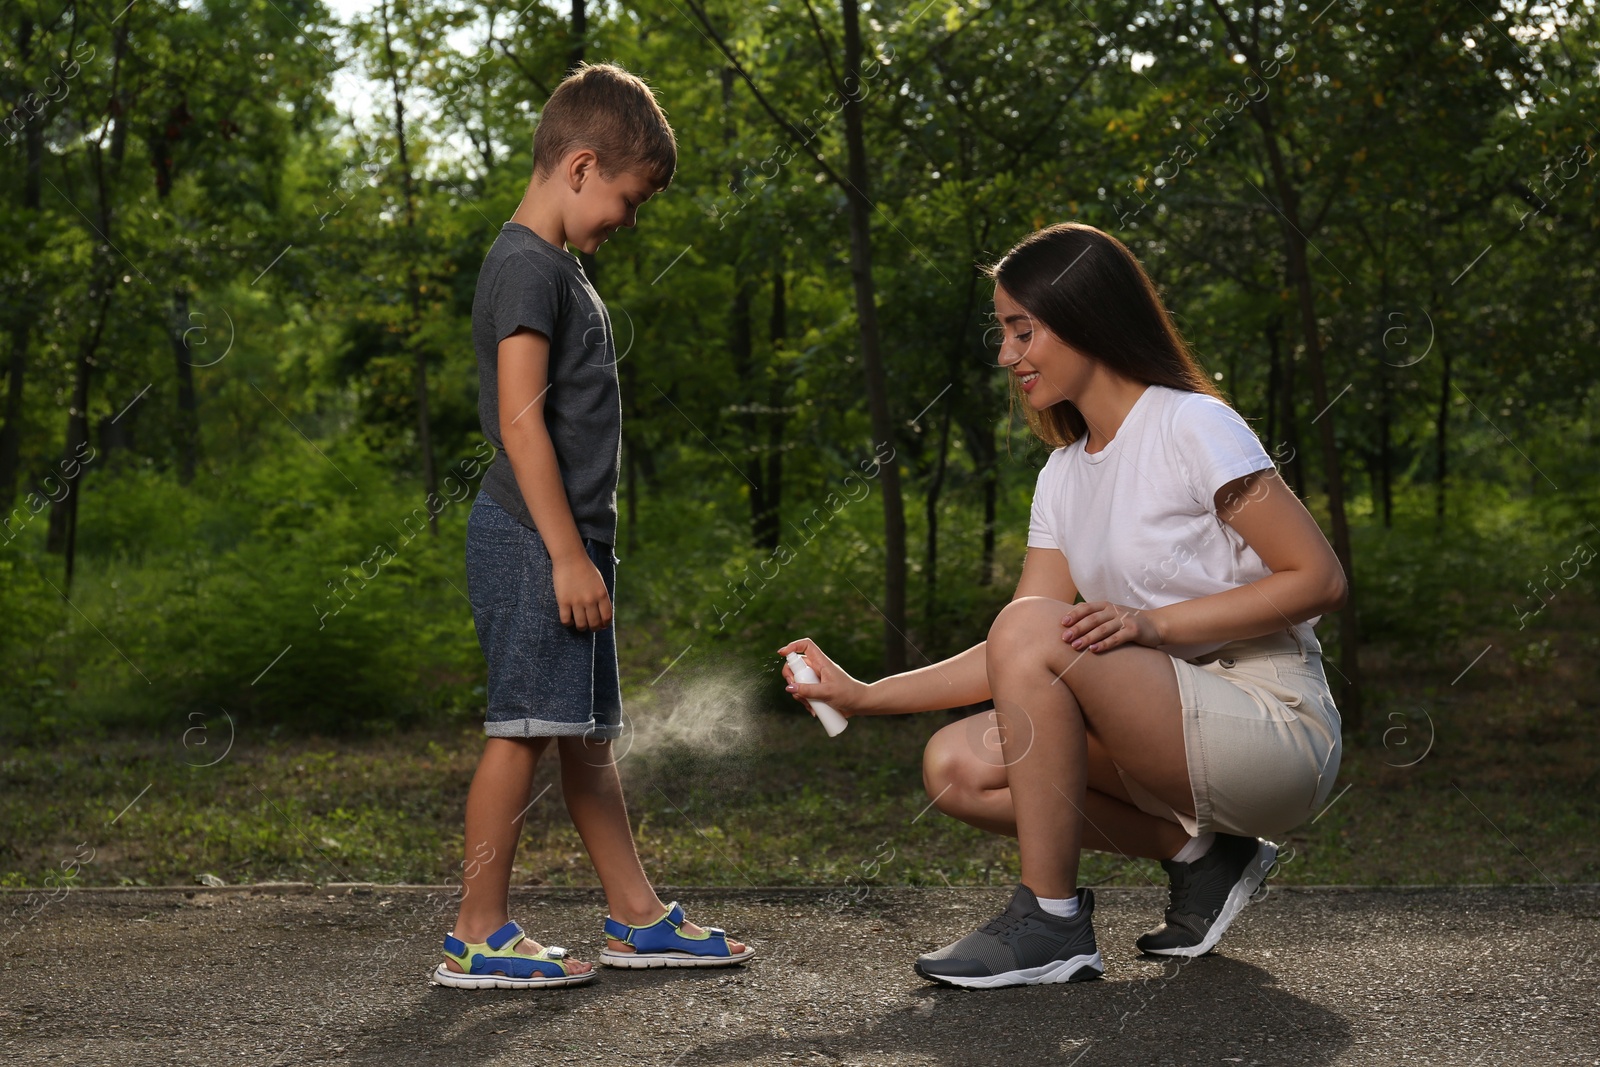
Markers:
point(1151, 804)
point(546, 728)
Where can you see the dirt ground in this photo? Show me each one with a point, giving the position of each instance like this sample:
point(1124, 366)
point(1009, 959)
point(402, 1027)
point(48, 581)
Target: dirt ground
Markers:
point(274, 976)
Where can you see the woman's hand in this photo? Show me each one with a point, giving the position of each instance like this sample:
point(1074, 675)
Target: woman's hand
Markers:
point(1099, 625)
point(833, 687)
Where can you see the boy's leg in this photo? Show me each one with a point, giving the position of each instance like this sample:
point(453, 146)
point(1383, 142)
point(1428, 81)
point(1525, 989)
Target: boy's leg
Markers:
point(593, 793)
point(496, 806)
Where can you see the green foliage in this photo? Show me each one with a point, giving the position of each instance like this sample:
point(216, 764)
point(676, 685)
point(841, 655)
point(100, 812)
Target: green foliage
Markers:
point(290, 600)
point(1496, 563)
point(199, 162)
point(791, 806)
point(32, 616)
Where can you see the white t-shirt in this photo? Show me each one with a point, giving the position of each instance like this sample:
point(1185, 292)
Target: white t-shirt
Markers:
point(1137, 520)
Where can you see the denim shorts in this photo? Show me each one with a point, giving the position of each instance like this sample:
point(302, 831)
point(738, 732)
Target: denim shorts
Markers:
point(545, 679)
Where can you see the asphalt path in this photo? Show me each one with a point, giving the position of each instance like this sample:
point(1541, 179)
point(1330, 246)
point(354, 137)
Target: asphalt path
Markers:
point(284, 975)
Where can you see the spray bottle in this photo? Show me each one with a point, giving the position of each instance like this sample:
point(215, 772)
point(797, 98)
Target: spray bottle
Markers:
point(831, 720)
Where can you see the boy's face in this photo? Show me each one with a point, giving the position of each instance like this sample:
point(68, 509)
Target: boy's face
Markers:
point(601, 206)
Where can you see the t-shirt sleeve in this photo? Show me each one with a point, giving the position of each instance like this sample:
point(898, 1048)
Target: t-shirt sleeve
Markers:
point(1039, 533)
point(1214, 446)
point(527, 295)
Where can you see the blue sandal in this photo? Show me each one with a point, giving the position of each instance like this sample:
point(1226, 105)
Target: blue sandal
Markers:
point(496, 963)
point(664, 944)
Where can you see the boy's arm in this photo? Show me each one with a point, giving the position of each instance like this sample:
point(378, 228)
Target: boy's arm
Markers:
point(524, 378)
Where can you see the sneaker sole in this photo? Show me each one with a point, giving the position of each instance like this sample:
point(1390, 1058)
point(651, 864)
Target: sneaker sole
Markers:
point(1077, 969)
point(1251, 880)
point(444, 976)
point(651, 960)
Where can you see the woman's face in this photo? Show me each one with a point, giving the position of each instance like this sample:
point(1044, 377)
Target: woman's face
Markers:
point(1046, 367)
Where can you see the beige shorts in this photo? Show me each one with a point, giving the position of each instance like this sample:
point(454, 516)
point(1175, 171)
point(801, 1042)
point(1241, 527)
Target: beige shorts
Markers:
point(1261, 733)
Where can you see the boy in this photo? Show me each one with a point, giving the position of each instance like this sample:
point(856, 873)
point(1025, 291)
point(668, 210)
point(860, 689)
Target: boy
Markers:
point(539, 542)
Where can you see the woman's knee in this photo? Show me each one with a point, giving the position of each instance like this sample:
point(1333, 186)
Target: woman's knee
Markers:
point(939, 768)
point(943, 766)
point(1028, 626)
point(952, 771)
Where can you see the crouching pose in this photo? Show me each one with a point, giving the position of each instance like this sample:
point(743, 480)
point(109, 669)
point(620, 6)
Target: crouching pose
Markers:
point(1179, 711)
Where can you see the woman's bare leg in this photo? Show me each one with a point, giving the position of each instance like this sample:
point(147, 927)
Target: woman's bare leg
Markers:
point(1048, 697)
point(963, 770)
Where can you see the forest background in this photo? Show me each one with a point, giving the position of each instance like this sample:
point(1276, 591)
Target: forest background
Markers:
point(239, 435)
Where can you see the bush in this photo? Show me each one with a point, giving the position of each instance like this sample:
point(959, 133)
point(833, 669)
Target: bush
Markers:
point(291, 600)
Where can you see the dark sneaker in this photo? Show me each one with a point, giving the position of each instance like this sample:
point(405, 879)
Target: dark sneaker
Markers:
point(1023, 945)
point(1208, 894)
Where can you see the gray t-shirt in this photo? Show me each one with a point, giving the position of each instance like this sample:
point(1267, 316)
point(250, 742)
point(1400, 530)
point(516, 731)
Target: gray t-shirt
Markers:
point(528, 282)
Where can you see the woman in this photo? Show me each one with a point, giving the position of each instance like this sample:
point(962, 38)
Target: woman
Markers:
point(1180, 711)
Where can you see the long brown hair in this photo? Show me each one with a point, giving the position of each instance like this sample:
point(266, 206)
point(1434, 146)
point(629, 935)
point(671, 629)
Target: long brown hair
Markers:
point(1091, 292)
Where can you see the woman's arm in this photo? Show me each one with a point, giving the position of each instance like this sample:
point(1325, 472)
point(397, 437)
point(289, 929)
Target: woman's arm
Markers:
point(952, 683)
point(1306, 580)
point(961, 679)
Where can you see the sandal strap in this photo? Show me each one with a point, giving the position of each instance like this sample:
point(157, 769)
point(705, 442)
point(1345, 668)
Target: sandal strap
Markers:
point(624, 933)
point(498, 955)
point(665, 934)
point(505, 937)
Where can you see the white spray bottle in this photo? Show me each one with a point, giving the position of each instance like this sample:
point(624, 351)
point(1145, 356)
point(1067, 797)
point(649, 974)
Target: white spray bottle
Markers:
point(831, 720)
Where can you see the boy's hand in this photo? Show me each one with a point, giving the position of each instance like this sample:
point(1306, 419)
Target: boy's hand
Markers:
point(581, 592)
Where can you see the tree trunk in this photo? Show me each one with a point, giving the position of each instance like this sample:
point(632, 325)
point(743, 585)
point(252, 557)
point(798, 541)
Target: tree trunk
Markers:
point(24, 310)
point(430, 477)
point(577, 40)
point(33, 133)
point(580, 35)
point(1295, 241)
point(1273, 384)
point(630, 460)
point(1441, 451)
point(11, 434)
point(188, 428)
point(740, 346)
point(633, 498)
point(955, 367)
point(186, 433)
point(894, 522)
point(930, 561)
point(1385, 446)
point(980, 437)
point(991, 494)
point(770, 528)
point(63, 531)
point(1349, 633)
point(1295, 246)
point(1295, 475)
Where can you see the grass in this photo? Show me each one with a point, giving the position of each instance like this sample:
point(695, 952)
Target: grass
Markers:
point(1506, 792)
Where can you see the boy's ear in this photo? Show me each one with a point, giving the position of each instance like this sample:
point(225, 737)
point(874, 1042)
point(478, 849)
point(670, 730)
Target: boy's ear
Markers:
point(581, 166)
